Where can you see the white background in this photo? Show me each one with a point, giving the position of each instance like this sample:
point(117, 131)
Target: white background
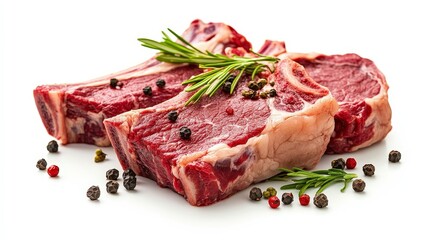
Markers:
point(70, 41)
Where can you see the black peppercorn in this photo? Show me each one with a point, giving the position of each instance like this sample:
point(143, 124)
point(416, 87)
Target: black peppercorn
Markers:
point(52, 146)
point(320, 200)
point(130, 182)
point(253, 85)
point(255, 194)
point(272, 92)
point(287, 198)
point(368, 169)
point(394, 156)
point(358, 185)
point(128, 172)
point(147, 91)
point(112, 174)
point(226, 87)
point(112, 186)
point(160, 83)
point(338, 163)
point(231, 78)
point(93, 193)
point(185, 133)
point(172, 116)
point(113, 82)
point(41, 164)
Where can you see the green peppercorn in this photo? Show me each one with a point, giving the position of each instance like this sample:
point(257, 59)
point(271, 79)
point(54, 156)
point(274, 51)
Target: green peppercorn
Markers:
point(41, 164)
point(273, 191)
point(394, 156)
point(113, 82)
point(52, 146)
point(368, 169)
point(266, 194)
point(93, 193)
point(99, 155)
point(160, 83)
point(338, 163)
point(253, 85)
point(358, 185)
point(272, 92)
point(128, 172)
point(320, 200)
point(250, 94)
point(185, 133)
point(112, 174)
point(112, 186)
point(263, 95)
point(147, 91)
point(130, 182)
point(287, 198)
point(255, 194)
point(261, 83)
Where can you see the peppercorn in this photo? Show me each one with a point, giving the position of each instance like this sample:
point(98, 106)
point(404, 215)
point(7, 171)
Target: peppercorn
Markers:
point(253, 85)
point(160, 83)
point(147, 91)
point(266, 194)
point(261, 83)
point(358, 185)
point(41, 164)
point(130, 182)
point(338, 163)
point(99, 155)
point(226, 87)
point(320, 200)
point(287, 198)
point(394, 156)
point(112, 174)
point(250, 94)
point(120, 84)
point(128, 172)
point(93, 193)
point(52, 146)
point(172, 116)
point(263, 95)
point(272, 92)
point(274, 202)
point(272, 191)
point(230, 78)
point(272, 83)
point(112, 186)
point(368, 169)
point(113, 82)
point(304, 199)
point(255, 194)
point(53, 170)
point(185, 133)
point(351, 163)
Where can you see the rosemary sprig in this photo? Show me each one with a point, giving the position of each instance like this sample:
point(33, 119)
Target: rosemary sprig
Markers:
point(219, 67)
point(321, 179)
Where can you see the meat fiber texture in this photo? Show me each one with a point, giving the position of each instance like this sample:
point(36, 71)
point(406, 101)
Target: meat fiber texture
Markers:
point(74, 113)
point(234, 142)
point(364, 116)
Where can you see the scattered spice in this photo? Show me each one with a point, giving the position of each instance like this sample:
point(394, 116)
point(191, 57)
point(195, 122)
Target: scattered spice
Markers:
point(99, 155)
point(261, 83)
point(304, 199)
point(338, 163)
point(272, 83)
point(250, 94)
point(272, 92)
point(255, 194)
point(351, 163)
point(266, 194)
point(270, 192)
point(172, 116)
point(53, 170)
point(160, 83)
point(229, 111)
point(147, 91)
point(112, 186)
point(114, 82)
point(368, 169)
point(130, 182)
point(320, 200)
point(128, 172)
point(226, 87)
point(185, 133)
point(358, 185)
point(41, 164)
point(263, 95)
point(112, 174)
point(52, 146)
point(394, 156)
point(253, 85)
point(93, 193)
point(274, 202)
point(287, 198)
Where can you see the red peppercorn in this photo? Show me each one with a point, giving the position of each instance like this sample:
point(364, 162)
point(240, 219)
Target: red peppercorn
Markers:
point(53, 170)
point(351, 163)
point(274, 202)
point(304, 199)
point(229, 111)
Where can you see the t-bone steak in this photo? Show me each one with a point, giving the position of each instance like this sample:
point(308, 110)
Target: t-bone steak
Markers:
point(364, 116)
point(74, 113)
point(234, 141)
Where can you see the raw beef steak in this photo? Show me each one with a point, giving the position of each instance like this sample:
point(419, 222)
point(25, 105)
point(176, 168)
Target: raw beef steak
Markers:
point(74, 113)
point(234, 141)
point(361, 91)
